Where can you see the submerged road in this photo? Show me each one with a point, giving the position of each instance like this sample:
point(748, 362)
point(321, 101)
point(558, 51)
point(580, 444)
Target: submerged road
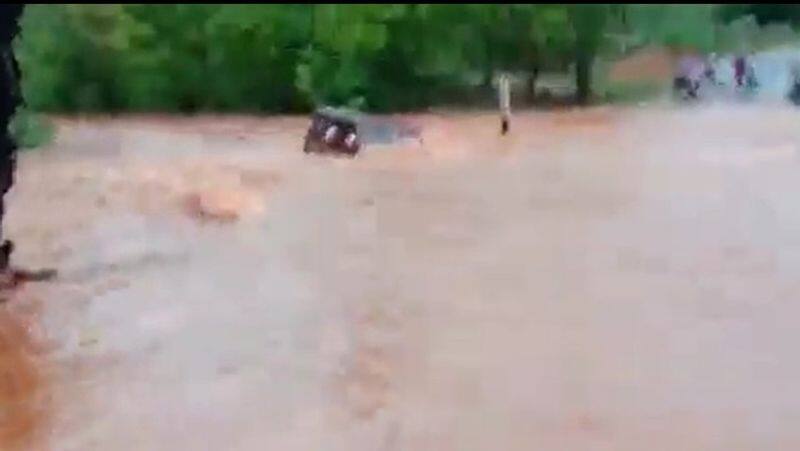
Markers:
point(607, 279)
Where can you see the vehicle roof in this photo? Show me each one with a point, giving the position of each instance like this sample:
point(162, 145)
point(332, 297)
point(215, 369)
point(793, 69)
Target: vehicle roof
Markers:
point(341, 114)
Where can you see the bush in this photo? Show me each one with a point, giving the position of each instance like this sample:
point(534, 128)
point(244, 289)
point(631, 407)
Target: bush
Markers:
point(268, 58)
point(31, 130)
point(291, 57)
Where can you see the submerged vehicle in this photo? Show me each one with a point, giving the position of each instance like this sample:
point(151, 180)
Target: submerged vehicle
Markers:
point(333, 130)
point(685, 88)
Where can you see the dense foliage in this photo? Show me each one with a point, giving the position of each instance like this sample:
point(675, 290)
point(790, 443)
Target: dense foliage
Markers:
point(284, 58)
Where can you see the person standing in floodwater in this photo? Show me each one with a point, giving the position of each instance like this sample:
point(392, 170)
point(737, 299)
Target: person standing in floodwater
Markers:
point(711, 69)
point(504, 94)
point(739, 70)
point(750, 72)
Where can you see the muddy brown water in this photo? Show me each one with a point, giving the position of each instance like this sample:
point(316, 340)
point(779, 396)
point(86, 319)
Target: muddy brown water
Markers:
point(23, 385)
point(605, 279)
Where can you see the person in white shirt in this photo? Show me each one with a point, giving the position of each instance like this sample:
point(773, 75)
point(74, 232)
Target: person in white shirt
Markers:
point(504, 91)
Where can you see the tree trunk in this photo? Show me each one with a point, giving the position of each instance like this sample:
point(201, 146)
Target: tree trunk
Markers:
point(488, 67)
point(532, 85)
point(588, 22)
point(488, 72)
point(583, 76)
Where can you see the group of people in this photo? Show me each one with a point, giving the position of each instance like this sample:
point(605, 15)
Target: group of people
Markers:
point(694, 71)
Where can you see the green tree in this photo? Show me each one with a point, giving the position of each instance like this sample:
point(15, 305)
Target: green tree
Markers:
point(290, 57)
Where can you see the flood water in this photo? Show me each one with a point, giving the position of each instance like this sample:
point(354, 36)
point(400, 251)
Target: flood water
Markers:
point(604, 279)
